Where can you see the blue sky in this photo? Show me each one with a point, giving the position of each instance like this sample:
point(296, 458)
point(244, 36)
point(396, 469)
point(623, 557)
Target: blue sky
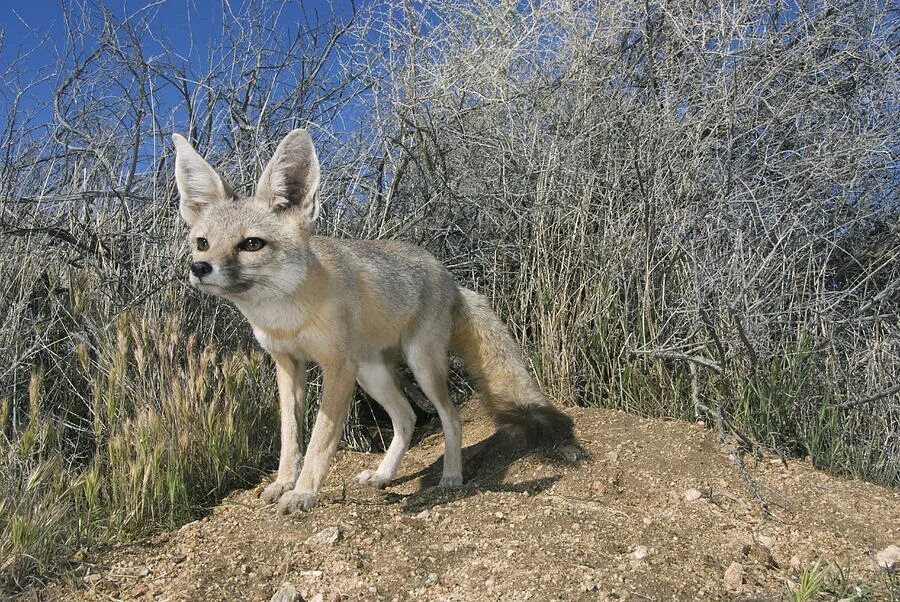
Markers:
point(23, 23)
point(35, 31)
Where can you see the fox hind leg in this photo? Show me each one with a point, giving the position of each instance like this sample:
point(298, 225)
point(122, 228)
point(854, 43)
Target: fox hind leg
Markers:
point(428, 362)
point(378, 380)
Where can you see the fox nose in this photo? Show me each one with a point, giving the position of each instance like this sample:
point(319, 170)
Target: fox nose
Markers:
point(200, 269)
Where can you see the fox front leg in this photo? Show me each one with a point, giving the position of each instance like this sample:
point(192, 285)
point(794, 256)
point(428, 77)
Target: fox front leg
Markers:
point(290, 374)
point(338, 380)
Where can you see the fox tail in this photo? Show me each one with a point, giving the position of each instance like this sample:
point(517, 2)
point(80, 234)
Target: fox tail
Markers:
point(509, 391)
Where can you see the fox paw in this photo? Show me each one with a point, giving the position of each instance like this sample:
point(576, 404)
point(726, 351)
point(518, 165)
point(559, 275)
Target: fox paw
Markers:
point(296, 501)
point(275, 490)
point(451, 481)
point(373, 478)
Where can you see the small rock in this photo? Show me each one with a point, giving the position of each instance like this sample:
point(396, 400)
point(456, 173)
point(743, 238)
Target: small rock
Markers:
point(761, 555)
point(640, 553)
point(431, 579)
point(317, 598)
point(612, 456)
point(325, 537)
point(888, 558)
point(795, 562)
point(766, 541)
point(734, 575)
point(570, 453)
point(410, 521)
point(489, 582)
point(589, 586)
point(139, 590)
point(92, 579)
point(692, 495)
point(179, 559)
point(143, 571)
point(315, 574)
point(287, 593)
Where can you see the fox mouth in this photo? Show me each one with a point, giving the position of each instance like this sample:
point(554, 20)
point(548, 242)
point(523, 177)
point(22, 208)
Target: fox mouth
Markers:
point(220, 290)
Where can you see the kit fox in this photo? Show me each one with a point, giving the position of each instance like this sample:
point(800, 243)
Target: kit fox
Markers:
point(354, 307)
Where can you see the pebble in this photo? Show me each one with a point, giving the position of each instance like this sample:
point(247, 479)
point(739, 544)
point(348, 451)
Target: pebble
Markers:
point(692, 495)
point(761, 555)
point(327, 536)
point(888, 558)
point(640, 553)
point(139, 590)
point(734, 575)
point(287, 593)
point(92, 579)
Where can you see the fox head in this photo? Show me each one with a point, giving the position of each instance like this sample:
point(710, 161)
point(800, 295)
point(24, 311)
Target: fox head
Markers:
point(250, 247)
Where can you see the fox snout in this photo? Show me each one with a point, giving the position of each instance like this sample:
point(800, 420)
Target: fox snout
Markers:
point(200, 268)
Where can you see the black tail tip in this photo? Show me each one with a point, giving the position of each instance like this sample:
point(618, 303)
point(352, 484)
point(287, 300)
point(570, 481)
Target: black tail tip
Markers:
point(538, 425)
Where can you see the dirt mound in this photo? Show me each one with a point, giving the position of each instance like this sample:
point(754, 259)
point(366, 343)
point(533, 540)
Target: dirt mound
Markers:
point(656, 510)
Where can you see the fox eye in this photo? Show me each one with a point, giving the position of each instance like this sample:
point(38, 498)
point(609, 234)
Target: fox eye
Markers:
point(252, 244)
point(202, 244)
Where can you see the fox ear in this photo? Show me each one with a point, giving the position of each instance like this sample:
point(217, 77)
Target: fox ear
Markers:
point(291, 178)
point(199, 186)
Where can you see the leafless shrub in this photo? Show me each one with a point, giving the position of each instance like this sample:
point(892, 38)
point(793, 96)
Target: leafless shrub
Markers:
point(682, 206)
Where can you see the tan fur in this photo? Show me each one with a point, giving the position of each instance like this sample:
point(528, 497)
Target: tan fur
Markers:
point(353, 307)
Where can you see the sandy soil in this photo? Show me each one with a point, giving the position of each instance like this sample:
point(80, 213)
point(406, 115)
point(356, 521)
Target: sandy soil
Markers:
point(653, 510)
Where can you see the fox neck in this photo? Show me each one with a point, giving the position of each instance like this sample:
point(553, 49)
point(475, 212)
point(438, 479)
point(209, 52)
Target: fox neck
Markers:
point(283, 316)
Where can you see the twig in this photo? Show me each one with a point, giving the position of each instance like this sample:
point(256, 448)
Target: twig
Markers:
point(676, 355)
point(859, 402)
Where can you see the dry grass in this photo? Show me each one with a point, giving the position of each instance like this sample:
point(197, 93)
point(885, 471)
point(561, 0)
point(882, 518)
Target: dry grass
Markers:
point(682, 210)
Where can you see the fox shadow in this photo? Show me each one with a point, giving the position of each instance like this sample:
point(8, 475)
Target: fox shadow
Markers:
point(486, 466)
